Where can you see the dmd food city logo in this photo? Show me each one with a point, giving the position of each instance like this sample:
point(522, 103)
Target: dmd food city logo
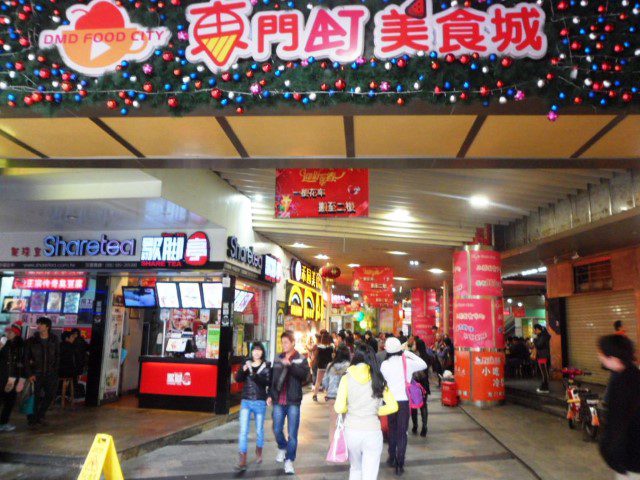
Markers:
point(100, 36)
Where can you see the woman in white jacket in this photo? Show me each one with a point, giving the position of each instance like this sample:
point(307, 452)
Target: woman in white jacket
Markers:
point(394, 373)
point(363, 396)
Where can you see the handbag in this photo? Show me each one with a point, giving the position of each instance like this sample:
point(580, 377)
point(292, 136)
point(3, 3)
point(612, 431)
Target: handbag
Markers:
point(415, 391)
point(28, 400)
point(338, 452)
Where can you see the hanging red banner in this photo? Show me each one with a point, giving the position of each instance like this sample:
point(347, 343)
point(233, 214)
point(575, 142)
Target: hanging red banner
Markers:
point(377, 299)
point(322, 192)
point(423, 314)
point(372, 278)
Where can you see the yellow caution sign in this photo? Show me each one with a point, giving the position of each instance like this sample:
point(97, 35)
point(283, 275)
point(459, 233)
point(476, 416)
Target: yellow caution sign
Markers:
point(102, 458)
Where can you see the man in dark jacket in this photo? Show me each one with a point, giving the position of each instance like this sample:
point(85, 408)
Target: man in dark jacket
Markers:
point(41, 363)
point(290, 370)
point(620, 441)
point(11, 373)
point(543, 355)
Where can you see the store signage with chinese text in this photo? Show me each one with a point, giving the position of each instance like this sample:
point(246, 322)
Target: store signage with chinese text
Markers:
point(65, 284)
point(474, 321)
point(376, 285)
point(477, 272)
point(487, 376)
point(304, 302)
point(423, 314)
point(221, 33)
point(306, 274)
point(271, 269)
point(340, 300)
point(175, 250)
point(322, 192)
point(182, 379)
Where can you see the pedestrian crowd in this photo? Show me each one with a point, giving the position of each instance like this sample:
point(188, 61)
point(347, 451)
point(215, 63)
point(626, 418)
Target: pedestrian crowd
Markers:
point(33, 370)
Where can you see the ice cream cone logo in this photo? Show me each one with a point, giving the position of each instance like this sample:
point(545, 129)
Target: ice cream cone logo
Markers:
point(100, 36)
point(218, 33)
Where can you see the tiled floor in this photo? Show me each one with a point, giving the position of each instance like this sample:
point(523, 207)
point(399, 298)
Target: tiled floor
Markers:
point(458, 447)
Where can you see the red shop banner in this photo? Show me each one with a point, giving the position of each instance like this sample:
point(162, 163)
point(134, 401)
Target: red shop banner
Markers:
point(487, 376)
point(366, 279)
point(378, 299)
point(322, 192)
point(473, 325)
point(423, 314)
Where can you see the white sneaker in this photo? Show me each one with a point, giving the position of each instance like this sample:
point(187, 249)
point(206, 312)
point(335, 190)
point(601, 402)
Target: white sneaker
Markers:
point(282, 454)
point(288, 468)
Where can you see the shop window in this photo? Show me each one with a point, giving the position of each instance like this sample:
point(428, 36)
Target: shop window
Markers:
point(593, 277)
point(250, 317)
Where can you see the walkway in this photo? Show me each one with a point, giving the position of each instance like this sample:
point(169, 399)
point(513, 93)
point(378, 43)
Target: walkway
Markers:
point(510, 442)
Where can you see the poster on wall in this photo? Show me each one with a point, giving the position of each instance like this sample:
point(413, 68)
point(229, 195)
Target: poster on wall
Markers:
point(322, 192)
point(113, 344)
point(213, 341)
point(477, 273)
point(473, 323)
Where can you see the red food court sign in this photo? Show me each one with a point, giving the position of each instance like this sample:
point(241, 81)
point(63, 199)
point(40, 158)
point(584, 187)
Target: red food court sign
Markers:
point(477, 273)
point(322, 192)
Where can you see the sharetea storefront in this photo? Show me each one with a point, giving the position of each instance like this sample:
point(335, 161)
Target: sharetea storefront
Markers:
point(166, 315)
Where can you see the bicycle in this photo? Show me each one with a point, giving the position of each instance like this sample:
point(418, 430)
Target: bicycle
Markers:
point(582, 403)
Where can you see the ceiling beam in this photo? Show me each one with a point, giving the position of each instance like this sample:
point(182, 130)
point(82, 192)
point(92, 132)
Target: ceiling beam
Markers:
point(21, 144)
point(598, 135)
point(233, 138)
point(115, 136)
point(471, 135)
point(349, 136)
point(214, 163)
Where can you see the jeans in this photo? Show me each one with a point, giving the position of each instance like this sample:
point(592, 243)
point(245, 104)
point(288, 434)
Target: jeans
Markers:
point(259, 409)
point(398, 425)
point(44, 390)
point(544, 371)
point(8, 400)
point(292, 413)
point(365, 447)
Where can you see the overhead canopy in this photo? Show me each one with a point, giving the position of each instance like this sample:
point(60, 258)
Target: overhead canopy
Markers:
point(381, 141)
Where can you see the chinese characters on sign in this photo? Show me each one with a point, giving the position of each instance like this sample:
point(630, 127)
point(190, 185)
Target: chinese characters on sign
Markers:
point(67, 284)
point(316, 192)
point(175, 250)
point(376, 285)
point(221, 33)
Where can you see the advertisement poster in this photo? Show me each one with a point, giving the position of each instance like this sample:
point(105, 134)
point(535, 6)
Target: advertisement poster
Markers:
point(462, 374)
point(113, 344)
point(477, 273)
point(473, 323)
point(322, 192)
point(386, 320)
point(423, 314)
point(213, 341)
point(488, 376)
point(376, 284)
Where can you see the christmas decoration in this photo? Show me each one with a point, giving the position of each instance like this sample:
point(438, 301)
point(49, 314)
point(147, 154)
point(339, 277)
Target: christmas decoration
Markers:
point(162, 53)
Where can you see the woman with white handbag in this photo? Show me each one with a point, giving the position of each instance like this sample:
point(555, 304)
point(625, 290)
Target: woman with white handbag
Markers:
point(363, 396)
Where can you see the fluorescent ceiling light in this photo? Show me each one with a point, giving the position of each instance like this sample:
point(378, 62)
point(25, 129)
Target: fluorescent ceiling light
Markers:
point(436, 271)
point(300, 245)
point(479, 201)
point(353, 265)
point(414, 263)
point(509, 300)
point(397, 252)
point(401, 279)
point(258, 197)
point(322, 256)
point(399, 214)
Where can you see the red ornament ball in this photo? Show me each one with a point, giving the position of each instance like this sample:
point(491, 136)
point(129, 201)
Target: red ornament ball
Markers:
point(45, 73)
point(506, 62)
point(168, 56)
point(464, 59)
point(627, 97)
point(324, 87)
point(464, 96)
point(402, 63)
point(577, 100)
point(28, 101)
point(340, 84)
point(400, 101)
point(216, 93)
point(226, 76)
point(19, 66)
point(266, 67)
point(450, 58)
point(239, 110)
point(435, 65)
point(297, 97)
point(173, 102)
point(484, 91)
point(373, 85)
point(112, 104)
point(148, 87)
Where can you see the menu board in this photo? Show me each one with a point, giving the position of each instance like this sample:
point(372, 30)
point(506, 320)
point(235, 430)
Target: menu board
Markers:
point(190, 295)
point(242, 299)
point(167, 295)
point(38, 302)
point(212, 293)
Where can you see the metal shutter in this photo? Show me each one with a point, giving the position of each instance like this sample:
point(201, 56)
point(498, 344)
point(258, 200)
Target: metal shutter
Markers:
point(590, 316)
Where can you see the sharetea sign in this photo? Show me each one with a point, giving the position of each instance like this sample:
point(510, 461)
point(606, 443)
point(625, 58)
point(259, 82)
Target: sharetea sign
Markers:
point(221, 32)
point(175, 250)
point(242, 254)
point(56, 246)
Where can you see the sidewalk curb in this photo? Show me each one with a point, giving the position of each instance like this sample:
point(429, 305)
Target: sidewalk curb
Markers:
point(126, 454)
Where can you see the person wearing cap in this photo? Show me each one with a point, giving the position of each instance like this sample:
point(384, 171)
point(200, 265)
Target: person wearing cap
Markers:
point(11, 372)
point(394, 373)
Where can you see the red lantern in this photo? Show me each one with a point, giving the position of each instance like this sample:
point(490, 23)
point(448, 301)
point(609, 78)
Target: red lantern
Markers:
point(330, 272)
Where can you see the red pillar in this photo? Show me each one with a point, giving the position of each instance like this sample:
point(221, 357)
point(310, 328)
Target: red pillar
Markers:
point(423, 314)
point(478, 325)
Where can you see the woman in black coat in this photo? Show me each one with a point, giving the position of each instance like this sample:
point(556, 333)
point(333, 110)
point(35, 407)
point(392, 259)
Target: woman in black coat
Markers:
point(11, 373)
point(68, 367)
point(256, 376)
